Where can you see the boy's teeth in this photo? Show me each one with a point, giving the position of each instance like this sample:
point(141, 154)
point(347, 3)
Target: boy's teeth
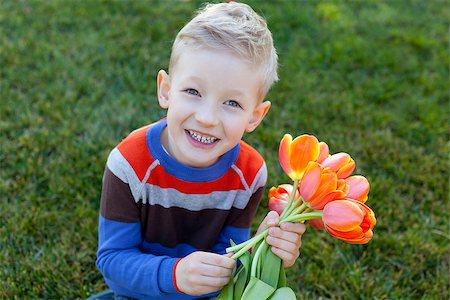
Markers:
point(202, 139)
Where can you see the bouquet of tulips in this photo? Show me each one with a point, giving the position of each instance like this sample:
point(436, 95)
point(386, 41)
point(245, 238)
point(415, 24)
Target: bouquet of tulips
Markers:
point(324, 194)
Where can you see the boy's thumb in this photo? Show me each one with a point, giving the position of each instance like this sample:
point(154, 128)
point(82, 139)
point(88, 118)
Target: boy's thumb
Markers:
point(270, 220)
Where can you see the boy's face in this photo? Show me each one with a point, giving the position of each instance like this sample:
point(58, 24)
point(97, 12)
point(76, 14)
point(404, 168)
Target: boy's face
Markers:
point(212, 98)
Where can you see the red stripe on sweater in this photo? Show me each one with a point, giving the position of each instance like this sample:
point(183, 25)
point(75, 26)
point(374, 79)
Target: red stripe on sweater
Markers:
point(135, 151)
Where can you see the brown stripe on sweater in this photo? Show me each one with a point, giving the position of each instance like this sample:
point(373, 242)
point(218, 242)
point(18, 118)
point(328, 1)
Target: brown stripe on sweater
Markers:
point(172, 226)
point(242, 218)
point(117, 202)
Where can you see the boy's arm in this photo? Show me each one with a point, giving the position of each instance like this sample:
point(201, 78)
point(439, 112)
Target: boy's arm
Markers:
point(118, 258)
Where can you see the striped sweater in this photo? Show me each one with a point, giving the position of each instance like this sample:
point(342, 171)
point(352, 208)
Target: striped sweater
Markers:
point(155, 210)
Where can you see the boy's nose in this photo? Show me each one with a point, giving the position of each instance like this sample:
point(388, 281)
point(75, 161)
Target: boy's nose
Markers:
point(207, 116)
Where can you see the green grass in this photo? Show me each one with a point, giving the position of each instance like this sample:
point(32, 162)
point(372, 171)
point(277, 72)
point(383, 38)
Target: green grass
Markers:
point(370, 79)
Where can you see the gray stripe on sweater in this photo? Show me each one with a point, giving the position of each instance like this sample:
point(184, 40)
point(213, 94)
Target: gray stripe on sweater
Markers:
point(169, 197)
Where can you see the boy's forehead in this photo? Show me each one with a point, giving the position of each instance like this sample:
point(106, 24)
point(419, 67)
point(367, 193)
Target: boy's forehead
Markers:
point(221, 67)
point(192, 61)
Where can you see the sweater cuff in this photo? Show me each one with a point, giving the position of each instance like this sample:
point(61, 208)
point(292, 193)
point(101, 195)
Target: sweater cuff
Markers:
point(166, 283)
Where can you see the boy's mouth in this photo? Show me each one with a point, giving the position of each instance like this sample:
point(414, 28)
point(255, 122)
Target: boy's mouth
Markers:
point(202, 138)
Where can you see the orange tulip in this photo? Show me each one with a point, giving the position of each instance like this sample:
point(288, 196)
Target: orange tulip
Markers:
point(317, 224)
point(341, 163)
point(358, 188)
point(294, 155)
point(323, 153)
point(279, 196)
point(349, 220)
point(320, 186)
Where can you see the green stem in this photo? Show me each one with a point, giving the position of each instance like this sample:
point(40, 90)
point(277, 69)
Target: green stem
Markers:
point(250, 243)
point(299, 209)
point(303, 217)
point(293, 206)
point(291, 198)
point(255, 260)
point(239, 246)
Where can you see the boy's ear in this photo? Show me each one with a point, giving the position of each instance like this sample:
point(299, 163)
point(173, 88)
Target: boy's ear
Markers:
point(163, 85)
point(258, 115)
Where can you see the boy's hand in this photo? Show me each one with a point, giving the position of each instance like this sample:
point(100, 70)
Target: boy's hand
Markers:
point(201, 273)
point(285, 240)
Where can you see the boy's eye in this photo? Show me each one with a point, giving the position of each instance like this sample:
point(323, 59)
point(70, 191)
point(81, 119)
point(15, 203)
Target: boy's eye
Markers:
point(232, 103)
point(193, 92)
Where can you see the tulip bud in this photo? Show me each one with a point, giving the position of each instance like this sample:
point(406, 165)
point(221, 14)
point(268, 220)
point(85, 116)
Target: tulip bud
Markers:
point(349, 220)
point(319, 186)
point(341, 163)
point(279, 196)
point(294, 155)
point(358, 188)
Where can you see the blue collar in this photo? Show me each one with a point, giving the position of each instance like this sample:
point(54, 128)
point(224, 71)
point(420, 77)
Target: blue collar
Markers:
point(184, 172)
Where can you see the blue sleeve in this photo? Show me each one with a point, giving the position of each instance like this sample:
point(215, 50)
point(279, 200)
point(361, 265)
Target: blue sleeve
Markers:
point(238, 235)
point(124, 266)
point(129, 271)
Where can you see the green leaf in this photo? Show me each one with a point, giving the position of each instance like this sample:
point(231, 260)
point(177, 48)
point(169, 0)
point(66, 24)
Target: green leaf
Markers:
point(256, 259)
point(270, 268)
point(240, 282)
point(246, 263)
point(284, 293)
point(282, 277)
point(227, 292)
point(254, 249)
point(257, 290)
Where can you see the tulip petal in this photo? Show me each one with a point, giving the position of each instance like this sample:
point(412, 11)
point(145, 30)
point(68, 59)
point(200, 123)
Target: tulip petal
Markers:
point(342, 186)
point(355, 234)
point(272, 192)
point(335, 161)
point(310, 181)
point(304, 148)
point(328, 183)
point(317, 224)
point(358, 188)
point(319, 205)
point(277, 205)
point(342, 215)
point(323, 153)
point(347, 169)
point(283, 153)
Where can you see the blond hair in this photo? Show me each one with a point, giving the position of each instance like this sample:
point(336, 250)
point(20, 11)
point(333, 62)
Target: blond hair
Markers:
point(232, 26)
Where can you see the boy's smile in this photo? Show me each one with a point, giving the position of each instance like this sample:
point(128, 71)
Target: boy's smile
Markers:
point(212, 97)
point(201, 140)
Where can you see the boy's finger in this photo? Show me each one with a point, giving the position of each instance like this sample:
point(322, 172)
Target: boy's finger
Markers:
point(218, 260)
point(294, 227)
point(228, 254)
point(283, 235)
point(228, 262)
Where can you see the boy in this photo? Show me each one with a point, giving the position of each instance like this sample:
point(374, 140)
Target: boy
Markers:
point(175, 192)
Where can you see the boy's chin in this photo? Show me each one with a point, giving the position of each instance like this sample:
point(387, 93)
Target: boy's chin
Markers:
point(201, 164)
